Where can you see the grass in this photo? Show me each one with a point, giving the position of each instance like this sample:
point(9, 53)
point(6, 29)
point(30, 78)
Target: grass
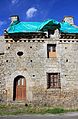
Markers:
point(22, 110)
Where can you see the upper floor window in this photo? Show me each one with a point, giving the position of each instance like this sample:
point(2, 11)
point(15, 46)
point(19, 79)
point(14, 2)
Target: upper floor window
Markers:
point(20, 53)
point(53, 80)
point(51, 50)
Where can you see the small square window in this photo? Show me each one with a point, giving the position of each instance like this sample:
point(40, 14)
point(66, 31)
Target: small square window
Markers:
point(51, 50)
point(53, 80)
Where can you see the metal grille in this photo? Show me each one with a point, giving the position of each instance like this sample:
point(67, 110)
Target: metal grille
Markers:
point(53, 80)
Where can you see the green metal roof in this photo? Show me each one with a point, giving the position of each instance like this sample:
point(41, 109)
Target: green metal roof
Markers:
point(17, 27)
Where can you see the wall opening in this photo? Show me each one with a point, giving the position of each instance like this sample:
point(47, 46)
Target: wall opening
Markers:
point(53, 80)
point(19, 88)
point(20, 53)
point(51, 50)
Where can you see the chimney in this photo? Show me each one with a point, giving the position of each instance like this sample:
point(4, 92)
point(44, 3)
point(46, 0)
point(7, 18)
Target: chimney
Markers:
point(69, 19)
point(14, 18)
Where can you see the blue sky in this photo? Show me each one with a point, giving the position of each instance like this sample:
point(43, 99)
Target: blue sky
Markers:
point(36, 10)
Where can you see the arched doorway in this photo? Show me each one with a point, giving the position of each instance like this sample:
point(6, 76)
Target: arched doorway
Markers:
point(19, 89)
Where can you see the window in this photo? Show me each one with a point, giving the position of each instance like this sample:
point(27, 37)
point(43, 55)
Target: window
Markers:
point(20, 53)
point(53, 80)
point(51, 50)
point(19, 82)
point(23, 81)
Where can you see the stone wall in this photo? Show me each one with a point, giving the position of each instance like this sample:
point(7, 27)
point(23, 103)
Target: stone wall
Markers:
point(34, 66)
point(55, 98)
point(2, 71)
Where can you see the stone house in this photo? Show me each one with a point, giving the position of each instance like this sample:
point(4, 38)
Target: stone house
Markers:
point(39, 63)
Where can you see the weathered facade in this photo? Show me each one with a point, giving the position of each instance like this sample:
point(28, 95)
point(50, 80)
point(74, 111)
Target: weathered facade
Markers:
point(41, 71)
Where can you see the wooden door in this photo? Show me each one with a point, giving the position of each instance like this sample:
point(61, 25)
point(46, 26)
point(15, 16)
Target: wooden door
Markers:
point(21, 89)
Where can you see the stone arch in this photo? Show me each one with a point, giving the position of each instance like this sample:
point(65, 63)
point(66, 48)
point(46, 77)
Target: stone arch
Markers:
point(10, 83)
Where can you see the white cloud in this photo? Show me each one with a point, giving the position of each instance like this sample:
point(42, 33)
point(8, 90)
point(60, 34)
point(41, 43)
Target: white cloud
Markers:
point(14, 1)
point(31, 12)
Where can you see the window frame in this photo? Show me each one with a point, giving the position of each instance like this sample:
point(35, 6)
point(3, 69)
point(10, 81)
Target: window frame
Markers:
point(53, 81)
point(51, 48)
